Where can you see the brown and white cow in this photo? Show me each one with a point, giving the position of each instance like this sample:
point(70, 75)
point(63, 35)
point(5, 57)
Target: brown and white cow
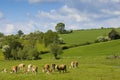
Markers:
point(46, 68)
point(34, 69)
point(21, 66)
point(61, 67)
point(53, 67)
point(14, 69)
point(74, 64)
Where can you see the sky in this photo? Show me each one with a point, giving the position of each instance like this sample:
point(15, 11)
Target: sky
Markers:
point(43, 15)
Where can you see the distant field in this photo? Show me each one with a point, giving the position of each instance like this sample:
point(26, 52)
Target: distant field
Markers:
point(83, 36)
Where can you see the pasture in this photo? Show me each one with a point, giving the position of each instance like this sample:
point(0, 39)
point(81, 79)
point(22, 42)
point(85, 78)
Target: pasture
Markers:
point(83, 36)
point(93, 64)
point(90, 68)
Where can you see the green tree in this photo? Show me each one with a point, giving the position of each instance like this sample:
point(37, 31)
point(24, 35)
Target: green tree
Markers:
point(50, 37)
point(6, 51)
point(55, 49)
point(1, 34)
point(60, 27)
point(114, 34)
point(20, 54)
point(20, 33)
point(14, 54)
point(33, 54)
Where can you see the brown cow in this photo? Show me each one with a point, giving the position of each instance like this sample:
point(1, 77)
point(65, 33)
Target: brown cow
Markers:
point(74, 64)
point(21, 66)
point(34, 69)
point(61, 67)
point(46, 68)
point(14, 69)
point(53, 67)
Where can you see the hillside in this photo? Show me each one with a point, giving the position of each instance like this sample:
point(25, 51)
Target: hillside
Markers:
point(99, 49)
point(94, 50)
point(83, 36)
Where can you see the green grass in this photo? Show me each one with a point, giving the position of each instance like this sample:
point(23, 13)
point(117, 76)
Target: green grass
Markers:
point(93, 64)
point(99, 49)
point(83, 36)
point(89, 69)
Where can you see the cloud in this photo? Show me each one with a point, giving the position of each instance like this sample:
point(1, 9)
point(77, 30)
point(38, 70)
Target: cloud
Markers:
point(64, 14)
point(9, 28)
point(109, 12)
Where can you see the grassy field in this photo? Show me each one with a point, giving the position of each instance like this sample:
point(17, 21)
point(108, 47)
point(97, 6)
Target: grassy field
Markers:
point(89, 69)
point(93, 64)
point(83, 36)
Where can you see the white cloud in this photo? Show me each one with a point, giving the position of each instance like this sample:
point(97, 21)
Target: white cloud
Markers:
point(9, 28)
point(113, 12)
point(64, 14)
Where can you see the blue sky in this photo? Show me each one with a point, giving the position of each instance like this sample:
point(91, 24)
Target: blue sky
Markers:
point(42, 15)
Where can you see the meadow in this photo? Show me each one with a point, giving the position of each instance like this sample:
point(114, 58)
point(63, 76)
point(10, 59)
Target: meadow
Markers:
point(93, 64)
point(94, 68)
point(83, 36)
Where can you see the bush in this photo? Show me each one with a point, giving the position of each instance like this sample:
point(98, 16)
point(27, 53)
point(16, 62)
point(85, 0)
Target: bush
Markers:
point(102, 39)
point(114, 35)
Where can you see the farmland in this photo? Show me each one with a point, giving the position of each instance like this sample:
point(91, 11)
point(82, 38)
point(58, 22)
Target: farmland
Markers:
point(93, 64)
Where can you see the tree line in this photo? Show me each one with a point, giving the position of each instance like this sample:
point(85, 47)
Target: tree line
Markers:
point(22, 46)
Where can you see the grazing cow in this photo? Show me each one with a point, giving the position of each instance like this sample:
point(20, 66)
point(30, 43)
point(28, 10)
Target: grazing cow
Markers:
point(14, 69)
point(61, 67)
point(29, 67)
point(34, 69)
point(4, 70)
point(46, 68)
point(21, 66)
point(53, 67)
point(74, 64)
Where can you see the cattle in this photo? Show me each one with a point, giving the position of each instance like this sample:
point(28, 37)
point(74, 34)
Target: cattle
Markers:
point(14, 69)
point(46, 68)
point(21, 66)
point(4, 70)
point(34, 69)
point(53, 67)
point(74, 64)
point(61, 67)
point(29, 68)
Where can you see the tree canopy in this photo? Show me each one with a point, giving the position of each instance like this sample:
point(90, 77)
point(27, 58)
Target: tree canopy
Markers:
point(114, 34)
point(60, 27)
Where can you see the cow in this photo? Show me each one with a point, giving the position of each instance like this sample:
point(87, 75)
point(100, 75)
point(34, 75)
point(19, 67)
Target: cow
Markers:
point(29, 67)
point(61, 67)
point(14, 69)
point(46, 68)
point(74, 64)
point(21, 66)
point(53, 67)
point(34, 69)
